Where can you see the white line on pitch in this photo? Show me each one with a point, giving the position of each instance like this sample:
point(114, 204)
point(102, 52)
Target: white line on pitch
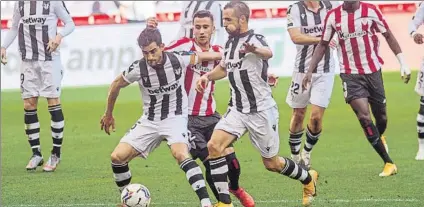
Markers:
point(364, 200)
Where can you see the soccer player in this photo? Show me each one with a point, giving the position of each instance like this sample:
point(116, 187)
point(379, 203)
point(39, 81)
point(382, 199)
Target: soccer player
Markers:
point(305, 22)
point(186, 19)
point(35, 24)
point(202, 106)
point(160, 76)
point(251, 107)
point(357, 24)
point(418, 20)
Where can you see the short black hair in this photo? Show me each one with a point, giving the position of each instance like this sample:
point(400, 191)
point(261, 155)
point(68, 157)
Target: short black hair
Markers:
point(203, 14)
point(240, 9)
point(148, 36)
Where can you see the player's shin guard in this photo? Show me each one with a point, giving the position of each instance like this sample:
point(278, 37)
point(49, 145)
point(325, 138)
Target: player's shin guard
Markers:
point(233, 171)
point(122, 175)
point(374, 138)
point(195, 178)
point(295, 171)
point(209, 179)
point(311, 139)
point(295, 140)
point(57, 126)
point(32, 129)
point(219, 171)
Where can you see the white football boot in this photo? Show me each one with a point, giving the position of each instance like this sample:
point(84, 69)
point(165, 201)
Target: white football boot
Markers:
point(34, 162)
point(52, 163)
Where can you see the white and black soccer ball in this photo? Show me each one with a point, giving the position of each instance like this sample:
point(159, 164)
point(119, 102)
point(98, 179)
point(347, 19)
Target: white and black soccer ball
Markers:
point(135, 195)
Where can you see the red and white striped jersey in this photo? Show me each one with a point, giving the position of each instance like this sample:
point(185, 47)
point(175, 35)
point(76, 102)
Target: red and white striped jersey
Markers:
point(199, 104)
point(358, 41)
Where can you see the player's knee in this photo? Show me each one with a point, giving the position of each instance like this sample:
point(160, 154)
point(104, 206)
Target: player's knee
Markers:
point(117, 158)
point(53, 101)
point(180, 156)
point(215, 149)
point(30, 103)
point(272, 165)
point(315, 121)
point(364, 119)
point(299, 115)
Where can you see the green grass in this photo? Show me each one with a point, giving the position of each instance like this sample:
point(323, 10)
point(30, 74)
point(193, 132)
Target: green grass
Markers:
point(347, 164)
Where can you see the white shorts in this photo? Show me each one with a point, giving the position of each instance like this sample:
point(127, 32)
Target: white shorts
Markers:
point(419, 86)
point(262, 127)
point(318, 92)
point(41, 78)
point(145, 135)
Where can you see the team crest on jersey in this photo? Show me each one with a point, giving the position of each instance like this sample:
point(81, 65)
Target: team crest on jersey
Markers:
point(145, 79)
point(178, 71)
point(303, 16)
point(364, 21)
point(46, 4)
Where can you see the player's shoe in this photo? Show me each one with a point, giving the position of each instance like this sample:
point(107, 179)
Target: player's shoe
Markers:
point(383, 139)
point(306, 159)
point(310, 190)
point(52, 163)
point(34, 162)
point(420, 155)
point(220, 204)
point(296, 158)
point(245, 199)
point(389, 169)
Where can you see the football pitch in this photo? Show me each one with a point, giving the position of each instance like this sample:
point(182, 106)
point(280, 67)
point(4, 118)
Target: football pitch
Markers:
point(347, 163)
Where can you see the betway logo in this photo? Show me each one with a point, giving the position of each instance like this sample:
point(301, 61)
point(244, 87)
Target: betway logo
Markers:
point(346, 36)
point(164, 89)
point(33, 20)
point(313, 30)
point(230, 65)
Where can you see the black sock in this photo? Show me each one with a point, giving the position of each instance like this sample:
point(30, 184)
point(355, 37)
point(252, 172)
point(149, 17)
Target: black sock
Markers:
point(208, 178)
point(233, 171)
point(420, 120)
point(219, 169)
point(57, 126)
point(295, 140)
point(374, 138)
point(311, 139)
point(195, 178)
point(122, 175)
point(295, 171)
point(32, 129)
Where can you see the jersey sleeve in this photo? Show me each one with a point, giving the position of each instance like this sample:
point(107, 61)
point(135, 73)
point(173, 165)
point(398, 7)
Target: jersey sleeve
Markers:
point(417, 19)
point(329, 29)
point(186, 58)
point(293, 17)
point(183, 44)
point(132, 74)
point(259, 41)
point(379, 20)
point(63, 14)
point(13, 32)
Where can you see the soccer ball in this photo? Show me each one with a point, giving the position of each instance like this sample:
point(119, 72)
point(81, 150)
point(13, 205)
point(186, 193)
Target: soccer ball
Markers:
point(135, 195)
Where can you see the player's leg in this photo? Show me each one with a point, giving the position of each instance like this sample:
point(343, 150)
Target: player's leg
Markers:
point(297, 100)
point(321, 90)
point(420, 130)
point(120, 157)
point(52, 73)
point(30, 84)
point(229, 128)
point(174, 130)
point(266, 140)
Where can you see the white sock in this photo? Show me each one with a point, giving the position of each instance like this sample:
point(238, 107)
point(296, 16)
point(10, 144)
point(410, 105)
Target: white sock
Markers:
point(421, 144)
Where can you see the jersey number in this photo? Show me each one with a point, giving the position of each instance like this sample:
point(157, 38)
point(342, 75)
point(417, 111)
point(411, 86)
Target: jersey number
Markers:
point(22, 78)
point(295, 88)
point(421, 79)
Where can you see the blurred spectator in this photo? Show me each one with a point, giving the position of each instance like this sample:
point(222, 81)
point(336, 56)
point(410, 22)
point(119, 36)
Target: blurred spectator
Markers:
point(136, 11)
point(97, 9)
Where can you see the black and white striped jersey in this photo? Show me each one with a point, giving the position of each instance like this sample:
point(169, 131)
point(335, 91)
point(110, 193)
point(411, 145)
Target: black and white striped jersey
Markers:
point(35, 23)
point(162, 87)
point(247, 74)
point(417, 19)
point(310, 23)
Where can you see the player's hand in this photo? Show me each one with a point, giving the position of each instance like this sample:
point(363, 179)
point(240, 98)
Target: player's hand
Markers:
point(333, 44)
point(418, 38)
point(202, 83)
point(272, 80)
point(306, 81)
point(106, 122)
point(3, 56)
point(53, 44)
point(152, 22)
point(405, 73)
point(246, 48)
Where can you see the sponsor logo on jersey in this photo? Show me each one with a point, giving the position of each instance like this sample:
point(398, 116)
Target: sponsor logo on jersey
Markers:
point(230, 65)
point(164, 89)
point(200, 68)
point(34, 20)
point(357, 34)
point(313, 30)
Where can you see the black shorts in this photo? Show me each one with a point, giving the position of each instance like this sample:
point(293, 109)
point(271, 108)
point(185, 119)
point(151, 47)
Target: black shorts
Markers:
point(201, 129)
point(369, 86)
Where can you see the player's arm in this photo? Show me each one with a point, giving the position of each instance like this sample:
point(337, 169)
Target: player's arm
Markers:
point(193, 58)
point(63, 14)
point(113, 93)
point(259, 47)
point(11, 34)
point(293, 27)
point(217, 73)
point(383, 27)
point(414, 24)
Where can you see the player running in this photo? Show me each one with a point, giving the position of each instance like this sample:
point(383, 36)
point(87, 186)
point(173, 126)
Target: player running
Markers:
point(202, 106)
point(305, 22)
point(251, 107)
point(35, 24)
point(416, 21)
point(357, 24)
point(160, 76)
